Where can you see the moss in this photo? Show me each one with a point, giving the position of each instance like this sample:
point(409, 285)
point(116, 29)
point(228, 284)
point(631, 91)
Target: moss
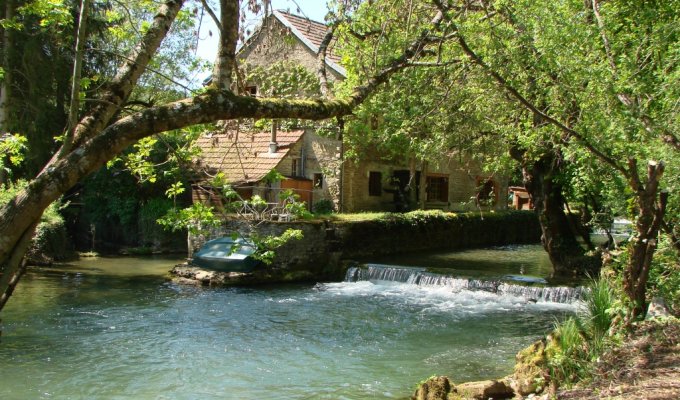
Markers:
point(531, 369)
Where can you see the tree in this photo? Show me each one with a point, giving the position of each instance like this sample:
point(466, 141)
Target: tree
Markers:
point(102, 131)
point(445, 105)
point(604, 73)
point(571, 88)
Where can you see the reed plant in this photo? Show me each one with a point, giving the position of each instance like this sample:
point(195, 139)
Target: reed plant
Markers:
point(578, 341)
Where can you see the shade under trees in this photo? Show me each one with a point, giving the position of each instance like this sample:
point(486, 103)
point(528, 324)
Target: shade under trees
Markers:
point(571, 90)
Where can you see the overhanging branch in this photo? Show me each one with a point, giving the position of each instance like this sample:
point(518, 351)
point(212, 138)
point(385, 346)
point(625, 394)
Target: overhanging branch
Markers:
point(514, 93)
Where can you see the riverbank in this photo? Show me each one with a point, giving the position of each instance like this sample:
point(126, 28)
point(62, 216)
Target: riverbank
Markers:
point(327, 244)
point(645, 365)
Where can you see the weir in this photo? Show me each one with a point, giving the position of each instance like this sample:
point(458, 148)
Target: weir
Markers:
point(531, 290)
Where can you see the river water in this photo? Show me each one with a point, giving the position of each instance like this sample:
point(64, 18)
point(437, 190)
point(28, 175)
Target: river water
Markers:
point(117, 329)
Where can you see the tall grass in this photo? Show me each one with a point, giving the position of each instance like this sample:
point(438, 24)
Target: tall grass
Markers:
point(600, 301)
point(579, 340)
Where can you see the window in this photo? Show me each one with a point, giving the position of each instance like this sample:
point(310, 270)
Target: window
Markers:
point(374, 183)
point(486, 191)
point(318, 181)
point(251, 91)
point(438, 188)
point(296, 164)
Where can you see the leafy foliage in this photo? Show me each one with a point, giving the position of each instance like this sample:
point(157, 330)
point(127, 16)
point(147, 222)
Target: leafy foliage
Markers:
point(12, 149)
point(196, 219)
point(323, 207)
point(266, 245)
point(580, 340)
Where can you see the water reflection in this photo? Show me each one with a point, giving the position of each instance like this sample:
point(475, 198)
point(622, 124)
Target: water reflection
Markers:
point(116, 328)
point(530, 260)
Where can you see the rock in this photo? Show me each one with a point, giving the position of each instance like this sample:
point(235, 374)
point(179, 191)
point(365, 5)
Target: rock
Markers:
point(482, 390)
point(530, 367)
point(657, 309)
point(186, 281)
point(204, 276)
point(184, 271)
point(435, 388)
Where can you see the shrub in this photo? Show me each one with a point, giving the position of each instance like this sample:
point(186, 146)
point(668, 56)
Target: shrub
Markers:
point(664, 277)
point(580, 340)
point(50, 241)
point(323, 207)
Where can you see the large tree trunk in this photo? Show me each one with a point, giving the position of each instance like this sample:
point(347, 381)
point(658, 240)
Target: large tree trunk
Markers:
point(6, 86)
point(226, 50)
point(651, 207)
point(557, 236)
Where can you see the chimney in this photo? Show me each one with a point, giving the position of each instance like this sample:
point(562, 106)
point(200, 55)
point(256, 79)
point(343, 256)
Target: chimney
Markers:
point(273, 146)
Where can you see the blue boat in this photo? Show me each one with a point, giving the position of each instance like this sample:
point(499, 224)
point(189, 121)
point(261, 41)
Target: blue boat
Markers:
point(217, 255)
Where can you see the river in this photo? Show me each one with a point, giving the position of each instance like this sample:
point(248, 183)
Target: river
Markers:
point(115, 328)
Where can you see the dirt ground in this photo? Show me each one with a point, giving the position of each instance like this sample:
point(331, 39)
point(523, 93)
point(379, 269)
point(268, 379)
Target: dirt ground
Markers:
point(646, 366)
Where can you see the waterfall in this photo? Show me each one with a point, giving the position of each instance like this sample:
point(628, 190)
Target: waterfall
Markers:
point(420, 277)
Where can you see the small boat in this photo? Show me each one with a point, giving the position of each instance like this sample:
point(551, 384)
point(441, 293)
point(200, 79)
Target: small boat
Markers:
point(227, 255)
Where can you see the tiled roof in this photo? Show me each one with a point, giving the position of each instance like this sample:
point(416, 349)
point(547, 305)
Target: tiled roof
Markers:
point(311, 33)
point(244, 156)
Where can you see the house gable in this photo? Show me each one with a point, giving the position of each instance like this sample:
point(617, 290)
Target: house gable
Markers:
point(285, 36)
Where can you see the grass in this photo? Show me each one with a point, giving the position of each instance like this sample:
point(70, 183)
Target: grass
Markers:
point(599, 303)
point(580, 340)
point(353, 217)
point(383, 215)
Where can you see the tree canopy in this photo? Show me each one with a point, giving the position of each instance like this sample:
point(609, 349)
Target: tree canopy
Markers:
point(580, 94)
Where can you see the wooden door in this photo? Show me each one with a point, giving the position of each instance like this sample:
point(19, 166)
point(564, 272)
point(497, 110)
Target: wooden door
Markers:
point(302, 187)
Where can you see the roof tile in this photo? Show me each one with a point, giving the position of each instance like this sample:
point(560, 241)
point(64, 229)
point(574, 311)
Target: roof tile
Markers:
point(244, 156)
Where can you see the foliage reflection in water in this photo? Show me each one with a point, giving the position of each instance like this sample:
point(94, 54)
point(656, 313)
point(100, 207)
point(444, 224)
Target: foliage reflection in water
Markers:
point(115, 328)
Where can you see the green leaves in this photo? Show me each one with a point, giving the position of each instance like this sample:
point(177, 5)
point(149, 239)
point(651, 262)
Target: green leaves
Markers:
point(196, 219)
point(51, 13)
point(175, 190)
point(266, 245)
point(12, 151)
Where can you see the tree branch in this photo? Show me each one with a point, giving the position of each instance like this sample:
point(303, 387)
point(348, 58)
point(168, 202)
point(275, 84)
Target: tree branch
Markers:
point(570, 133)
point(210, 11)
point(605, 40)
point(226, 50)
point(434, 64)
point(153, 70)
point(128, 74)
point(321, 62)
point(74, 105)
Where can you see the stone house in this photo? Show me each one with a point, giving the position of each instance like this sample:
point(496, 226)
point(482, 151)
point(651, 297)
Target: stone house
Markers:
point(313, 165)
point(310, 164)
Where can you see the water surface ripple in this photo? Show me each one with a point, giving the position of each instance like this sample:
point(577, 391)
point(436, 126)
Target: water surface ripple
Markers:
point(116, 329)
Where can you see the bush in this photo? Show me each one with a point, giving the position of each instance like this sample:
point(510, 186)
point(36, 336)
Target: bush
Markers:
point(50, 242)
point(664, 277)
point(151, 233)
point(323, 207)
point(580, 340)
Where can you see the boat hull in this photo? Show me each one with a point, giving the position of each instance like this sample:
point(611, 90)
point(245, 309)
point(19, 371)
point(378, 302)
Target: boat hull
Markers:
point(217, 255)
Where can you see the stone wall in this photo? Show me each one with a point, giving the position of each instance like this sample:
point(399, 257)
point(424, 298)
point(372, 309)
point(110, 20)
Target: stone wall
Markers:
point(326, 243)
point(420, 231)
point(321, 156)
point(463, 176)
point(274, 43)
